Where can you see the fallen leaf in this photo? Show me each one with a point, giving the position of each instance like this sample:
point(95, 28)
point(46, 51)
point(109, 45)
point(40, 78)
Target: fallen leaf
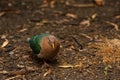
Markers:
point(22, 30)
point(52, 4)
point(4, 72)
point(71, 15)
point(20, 66)
point(117, 17)
point(106, 69)
point(2, 13)
point(94, 16)
point(85, 22)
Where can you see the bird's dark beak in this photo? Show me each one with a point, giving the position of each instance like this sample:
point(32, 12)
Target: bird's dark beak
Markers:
point(53, 45)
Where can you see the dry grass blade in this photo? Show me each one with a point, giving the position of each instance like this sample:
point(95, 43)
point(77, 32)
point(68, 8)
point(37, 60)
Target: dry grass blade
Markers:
point(5, 43)
point(71, 66)
point(82, 5)
point(48, 72)
point(114, 25)
point(11, 78)
point(66, 66)
point(87, 36)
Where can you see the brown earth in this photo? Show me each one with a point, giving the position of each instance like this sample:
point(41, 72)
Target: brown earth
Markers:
point(89, 35)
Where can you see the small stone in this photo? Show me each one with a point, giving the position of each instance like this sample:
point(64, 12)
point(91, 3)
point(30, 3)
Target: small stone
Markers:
point(28, 39)
point(3, 37)
point(11, 52)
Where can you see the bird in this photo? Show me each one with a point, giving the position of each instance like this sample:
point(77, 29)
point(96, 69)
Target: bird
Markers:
point(45, 46)
point(99, 2)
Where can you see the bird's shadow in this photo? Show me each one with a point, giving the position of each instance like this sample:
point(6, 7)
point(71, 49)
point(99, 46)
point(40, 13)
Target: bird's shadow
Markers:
point(39, 62)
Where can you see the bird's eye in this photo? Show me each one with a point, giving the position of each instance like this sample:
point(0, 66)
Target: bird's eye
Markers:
point(49, 41)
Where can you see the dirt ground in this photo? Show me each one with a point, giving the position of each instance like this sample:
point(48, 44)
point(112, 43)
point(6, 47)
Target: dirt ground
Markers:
point(89, 36)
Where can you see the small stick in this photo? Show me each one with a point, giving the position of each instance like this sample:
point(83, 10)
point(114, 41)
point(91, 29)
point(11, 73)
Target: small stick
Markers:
point(80, 45)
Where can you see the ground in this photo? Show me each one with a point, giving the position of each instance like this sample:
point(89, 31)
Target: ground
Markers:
point(89, 36)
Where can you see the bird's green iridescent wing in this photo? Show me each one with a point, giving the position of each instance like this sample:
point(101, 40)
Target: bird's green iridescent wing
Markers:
point(35, 43)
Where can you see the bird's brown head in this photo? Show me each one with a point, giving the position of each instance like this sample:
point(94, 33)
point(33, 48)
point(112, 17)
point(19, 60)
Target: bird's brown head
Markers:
point(50, 47)
point(52, 41)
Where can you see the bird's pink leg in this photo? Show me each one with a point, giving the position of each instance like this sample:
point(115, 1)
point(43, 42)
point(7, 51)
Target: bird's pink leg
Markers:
point(45, 64)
